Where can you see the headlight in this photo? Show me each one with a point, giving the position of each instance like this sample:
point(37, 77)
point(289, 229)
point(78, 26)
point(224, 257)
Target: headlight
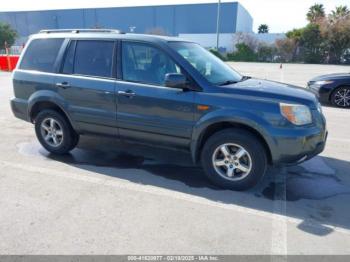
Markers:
point(319, 107)
point(323, 82)
point(297, 114)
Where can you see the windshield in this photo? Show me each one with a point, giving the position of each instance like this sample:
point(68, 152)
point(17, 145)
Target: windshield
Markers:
point(212, 68)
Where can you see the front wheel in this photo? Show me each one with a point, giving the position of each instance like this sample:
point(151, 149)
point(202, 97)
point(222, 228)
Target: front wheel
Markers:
point(341, 97)
point(234, 159)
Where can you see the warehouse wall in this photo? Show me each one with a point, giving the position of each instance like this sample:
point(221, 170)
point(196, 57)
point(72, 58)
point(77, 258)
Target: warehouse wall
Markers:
point(244, 22)
point(173, 19)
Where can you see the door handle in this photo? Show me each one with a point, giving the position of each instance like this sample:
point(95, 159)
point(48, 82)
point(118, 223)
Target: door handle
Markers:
point(127, 93)
point(64, 85)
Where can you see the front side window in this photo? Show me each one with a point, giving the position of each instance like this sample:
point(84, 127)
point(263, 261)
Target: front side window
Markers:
point(208, 65)
point(92, 58)
point(41, 55)
point(146, 64)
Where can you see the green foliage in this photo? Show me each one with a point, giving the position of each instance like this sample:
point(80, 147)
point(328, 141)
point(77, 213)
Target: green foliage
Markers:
point(312, 44)
point(286, 49)
point(263, 29)
point(337, 39)
point(7, 34)
point(324, 39)
point(243, 53)
point(316, 13)
point(339, 12)
point(218, 54)
point(295, 34)
point(266, 53)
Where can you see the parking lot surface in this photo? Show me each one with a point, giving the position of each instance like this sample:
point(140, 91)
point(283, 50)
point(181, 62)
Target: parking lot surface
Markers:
point(108, 197)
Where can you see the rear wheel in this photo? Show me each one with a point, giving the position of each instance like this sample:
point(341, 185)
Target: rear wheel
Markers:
point(54, 132)
point(341, 97)
point(234, 159)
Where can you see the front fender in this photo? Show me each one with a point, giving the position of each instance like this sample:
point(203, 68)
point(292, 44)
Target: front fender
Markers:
point(233, 116)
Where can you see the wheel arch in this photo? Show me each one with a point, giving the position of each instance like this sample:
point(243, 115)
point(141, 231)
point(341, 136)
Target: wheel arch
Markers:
point(48, 100)
point(213, 128)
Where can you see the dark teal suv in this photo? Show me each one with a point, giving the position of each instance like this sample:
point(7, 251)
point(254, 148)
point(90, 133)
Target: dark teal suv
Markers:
point(163, 91)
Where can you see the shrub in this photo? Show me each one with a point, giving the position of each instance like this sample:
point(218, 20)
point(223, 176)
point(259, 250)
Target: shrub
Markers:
point(218, 54)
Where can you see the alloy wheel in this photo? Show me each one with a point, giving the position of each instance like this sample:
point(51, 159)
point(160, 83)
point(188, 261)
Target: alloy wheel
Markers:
point(232, 161)
point(52, 132)
point(342, 97)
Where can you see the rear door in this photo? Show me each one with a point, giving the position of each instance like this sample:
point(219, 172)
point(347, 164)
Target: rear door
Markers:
point(87, 83)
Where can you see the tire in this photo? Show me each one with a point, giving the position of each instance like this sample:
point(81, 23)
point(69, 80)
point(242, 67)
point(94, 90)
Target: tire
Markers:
point(337, 94)
point(57, 138)
point(246, 164)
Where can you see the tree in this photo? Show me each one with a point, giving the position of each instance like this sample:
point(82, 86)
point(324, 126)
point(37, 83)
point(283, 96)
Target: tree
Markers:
point(248, 39)
point(243, 53)
point(295, 35)
point(324, 39)
point(337, 38)
point(265, 52)
point(312, 44)
point(340, 12)
point(7, 34)
point(263, 29)
point(285, 48)
point(316, 13)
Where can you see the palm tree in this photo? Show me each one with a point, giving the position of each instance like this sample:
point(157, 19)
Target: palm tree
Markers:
point(263, 29)
point(340, 12)
point(295, 37)
point(316, 13)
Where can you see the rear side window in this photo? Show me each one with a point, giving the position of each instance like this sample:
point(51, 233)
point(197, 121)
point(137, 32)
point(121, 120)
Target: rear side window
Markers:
point(41, 55)
point(92, 58)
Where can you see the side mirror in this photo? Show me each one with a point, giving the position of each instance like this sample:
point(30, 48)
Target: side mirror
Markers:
point(176, 80)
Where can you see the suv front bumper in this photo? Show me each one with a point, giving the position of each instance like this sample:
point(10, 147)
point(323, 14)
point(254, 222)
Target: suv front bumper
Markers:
point(299, 146)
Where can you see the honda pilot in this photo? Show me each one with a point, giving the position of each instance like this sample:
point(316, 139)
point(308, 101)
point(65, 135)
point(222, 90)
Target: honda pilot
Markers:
point(163, 91)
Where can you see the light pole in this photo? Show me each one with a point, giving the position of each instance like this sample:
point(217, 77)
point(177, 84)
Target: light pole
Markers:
point(218, 25)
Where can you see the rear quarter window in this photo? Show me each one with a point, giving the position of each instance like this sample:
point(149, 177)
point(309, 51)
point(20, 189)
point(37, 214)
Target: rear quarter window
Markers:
point(41, 55)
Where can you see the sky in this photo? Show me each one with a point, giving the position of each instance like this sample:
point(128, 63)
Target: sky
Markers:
point(279, 15)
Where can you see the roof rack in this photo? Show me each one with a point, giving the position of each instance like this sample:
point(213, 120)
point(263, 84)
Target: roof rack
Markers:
point(76, 31)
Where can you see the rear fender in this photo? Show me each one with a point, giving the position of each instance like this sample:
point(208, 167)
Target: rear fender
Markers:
point(51, 97)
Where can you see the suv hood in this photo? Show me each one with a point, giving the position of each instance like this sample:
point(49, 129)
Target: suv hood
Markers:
point(271, 90)
point(331, 77)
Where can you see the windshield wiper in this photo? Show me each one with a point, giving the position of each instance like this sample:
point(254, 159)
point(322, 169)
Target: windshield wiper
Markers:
point(245, 78)
point(227, 82)
point(230, 82)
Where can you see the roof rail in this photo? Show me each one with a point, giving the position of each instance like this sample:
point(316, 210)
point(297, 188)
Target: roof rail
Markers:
point(76, 31)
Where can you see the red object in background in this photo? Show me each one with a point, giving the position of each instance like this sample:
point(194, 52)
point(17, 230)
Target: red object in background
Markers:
point(8, 63)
